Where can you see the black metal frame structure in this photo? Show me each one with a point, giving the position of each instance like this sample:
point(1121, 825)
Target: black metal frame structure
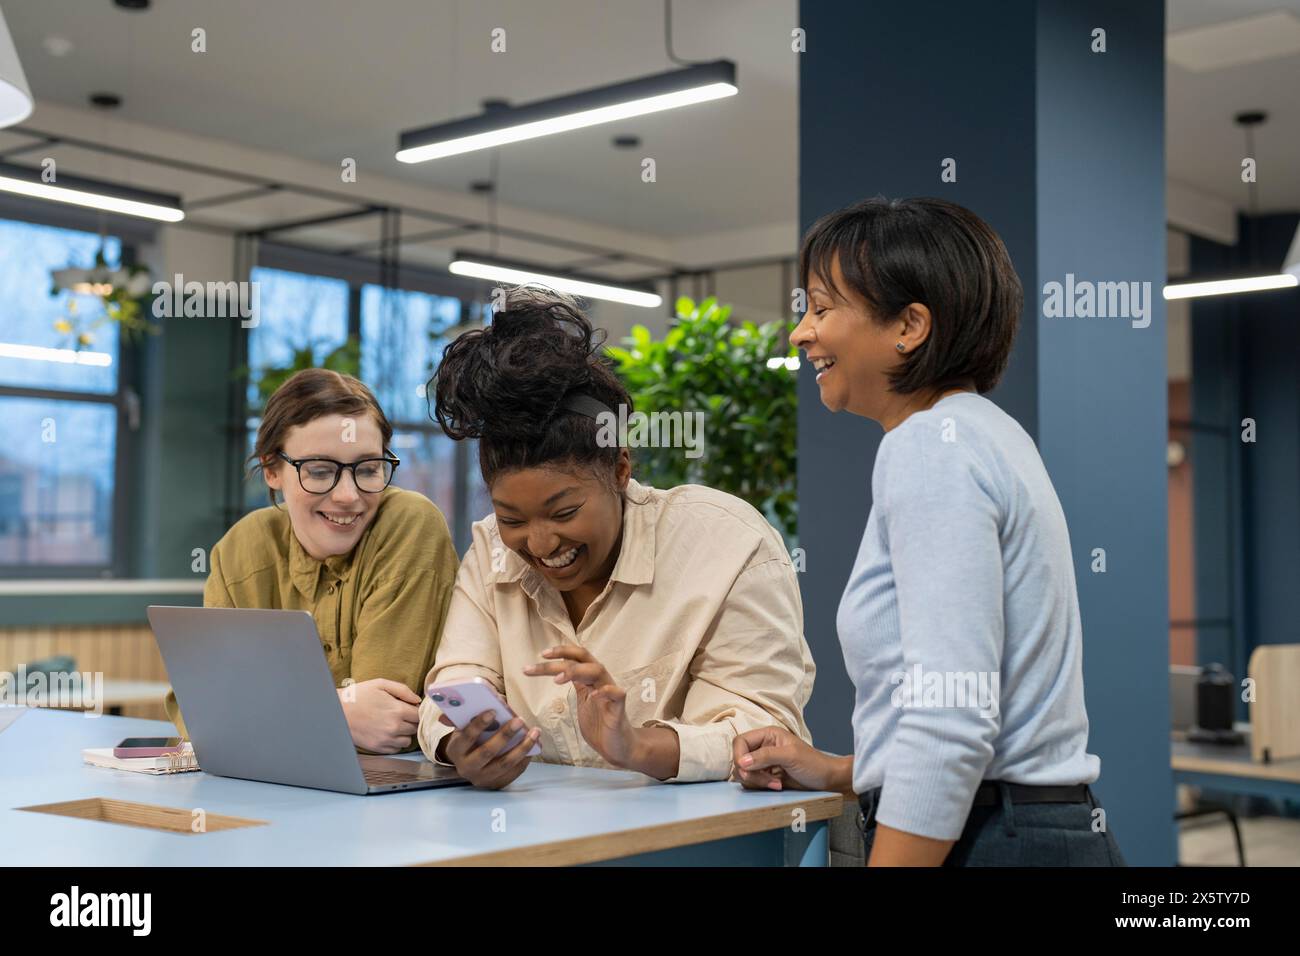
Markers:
point(447, 226)
point(382, 255)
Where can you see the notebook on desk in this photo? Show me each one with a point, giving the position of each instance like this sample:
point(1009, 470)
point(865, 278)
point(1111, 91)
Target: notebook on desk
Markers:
point(168, 763)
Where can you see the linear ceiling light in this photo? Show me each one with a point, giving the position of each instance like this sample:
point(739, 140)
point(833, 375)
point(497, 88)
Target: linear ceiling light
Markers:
point(480, 267)
point(648, 94)
point(77, 191)
point(1191, 290)
point(1289, 277)
point(40, 353)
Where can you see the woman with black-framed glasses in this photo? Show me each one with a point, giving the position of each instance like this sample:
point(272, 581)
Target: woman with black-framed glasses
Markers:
point(373, 564)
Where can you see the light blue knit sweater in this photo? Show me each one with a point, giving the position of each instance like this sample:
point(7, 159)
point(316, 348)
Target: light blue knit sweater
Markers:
point(960, 622)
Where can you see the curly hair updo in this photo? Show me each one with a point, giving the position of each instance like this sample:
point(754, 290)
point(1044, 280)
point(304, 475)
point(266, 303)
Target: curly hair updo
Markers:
point(508, 386)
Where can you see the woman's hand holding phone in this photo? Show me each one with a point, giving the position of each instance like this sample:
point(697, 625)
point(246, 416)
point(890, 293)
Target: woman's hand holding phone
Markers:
point(492, 763)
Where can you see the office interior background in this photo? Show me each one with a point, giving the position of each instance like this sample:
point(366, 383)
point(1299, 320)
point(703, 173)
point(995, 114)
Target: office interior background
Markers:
point(277, 140)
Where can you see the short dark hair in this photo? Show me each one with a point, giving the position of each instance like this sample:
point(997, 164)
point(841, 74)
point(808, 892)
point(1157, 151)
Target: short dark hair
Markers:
point(507, 385)
point(894, 252)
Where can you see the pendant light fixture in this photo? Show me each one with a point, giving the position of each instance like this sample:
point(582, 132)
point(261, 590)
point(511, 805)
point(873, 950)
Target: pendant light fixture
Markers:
point(694, 82)
point(65, 188)
point(1193, 290)
point(1291, 265)
point(606, 104)
point(91, 193)
point(15, 95)
point(476, 266)
point(492, 268)
point(1288, 278)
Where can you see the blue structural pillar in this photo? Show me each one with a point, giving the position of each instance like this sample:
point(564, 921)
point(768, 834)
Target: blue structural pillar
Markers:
point(1051, 114)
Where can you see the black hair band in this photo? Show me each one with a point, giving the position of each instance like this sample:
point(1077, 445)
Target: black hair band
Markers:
point(585, 404)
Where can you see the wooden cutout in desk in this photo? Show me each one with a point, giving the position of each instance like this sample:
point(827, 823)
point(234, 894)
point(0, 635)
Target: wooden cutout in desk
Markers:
point(126, 813)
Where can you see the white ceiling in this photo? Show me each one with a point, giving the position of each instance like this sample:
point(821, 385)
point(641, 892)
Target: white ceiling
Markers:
point(327, 79)
point(1203, 146)
point(322, 79)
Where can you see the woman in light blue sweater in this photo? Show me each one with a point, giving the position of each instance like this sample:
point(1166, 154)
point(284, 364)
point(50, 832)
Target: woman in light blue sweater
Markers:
point(960, 622)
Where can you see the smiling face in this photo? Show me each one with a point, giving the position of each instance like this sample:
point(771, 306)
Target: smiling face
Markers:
point(563, 521)
point(331, 523)
point(851, 350)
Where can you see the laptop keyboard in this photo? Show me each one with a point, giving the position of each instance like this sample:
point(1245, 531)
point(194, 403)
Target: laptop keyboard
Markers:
point(392, 776)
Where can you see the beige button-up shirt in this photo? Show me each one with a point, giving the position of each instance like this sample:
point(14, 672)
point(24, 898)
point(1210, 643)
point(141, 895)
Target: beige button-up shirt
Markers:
point(701, 622)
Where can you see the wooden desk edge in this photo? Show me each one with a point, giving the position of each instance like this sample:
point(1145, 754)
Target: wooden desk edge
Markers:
point(1289, 771)
point(664, 836)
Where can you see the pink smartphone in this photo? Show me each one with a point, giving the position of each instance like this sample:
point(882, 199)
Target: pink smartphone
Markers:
point(465, 701)
point(148, 747)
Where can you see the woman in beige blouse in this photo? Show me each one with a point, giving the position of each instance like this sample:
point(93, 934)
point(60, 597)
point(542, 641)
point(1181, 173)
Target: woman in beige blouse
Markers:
point(627, 627)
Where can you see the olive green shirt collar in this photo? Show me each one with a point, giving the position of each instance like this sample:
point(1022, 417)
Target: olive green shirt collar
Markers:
point(305, 570)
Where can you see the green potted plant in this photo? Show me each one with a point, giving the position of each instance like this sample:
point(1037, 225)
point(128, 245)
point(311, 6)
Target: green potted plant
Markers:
point(738, 376)
point(345, 358)
point(125, 293)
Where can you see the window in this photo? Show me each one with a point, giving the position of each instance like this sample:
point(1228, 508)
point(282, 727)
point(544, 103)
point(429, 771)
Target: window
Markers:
point(299, 314)
point(402, 338)
point(401, 342)
point(296, 312)
point(402, 334)
point(60, 405)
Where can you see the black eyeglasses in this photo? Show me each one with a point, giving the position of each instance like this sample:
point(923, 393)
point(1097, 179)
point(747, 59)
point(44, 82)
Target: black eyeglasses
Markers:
point(318, 476)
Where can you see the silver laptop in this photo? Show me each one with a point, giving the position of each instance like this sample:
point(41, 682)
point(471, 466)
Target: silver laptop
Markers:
point(260, 704)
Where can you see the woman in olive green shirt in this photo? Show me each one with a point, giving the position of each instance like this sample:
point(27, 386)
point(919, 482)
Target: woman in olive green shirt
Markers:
point(373, 564)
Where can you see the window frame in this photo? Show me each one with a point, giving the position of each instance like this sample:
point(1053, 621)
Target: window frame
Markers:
point(125, 400)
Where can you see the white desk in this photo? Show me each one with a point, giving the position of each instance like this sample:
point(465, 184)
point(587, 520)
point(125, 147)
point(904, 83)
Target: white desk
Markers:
point(1230, 768)
point(550, 815)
